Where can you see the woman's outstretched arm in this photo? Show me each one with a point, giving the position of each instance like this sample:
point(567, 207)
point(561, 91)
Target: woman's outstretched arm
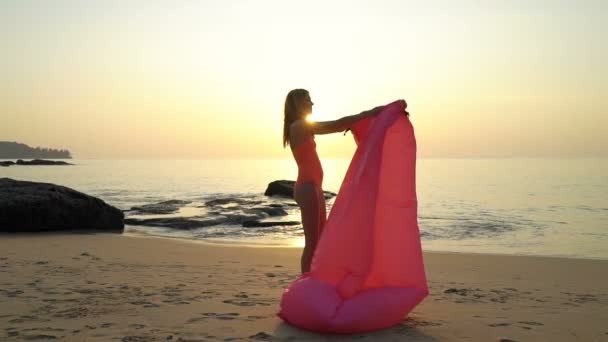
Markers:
point(326, 127)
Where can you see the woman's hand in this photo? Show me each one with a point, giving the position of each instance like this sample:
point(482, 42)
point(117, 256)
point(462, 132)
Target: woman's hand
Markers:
point(404, 104)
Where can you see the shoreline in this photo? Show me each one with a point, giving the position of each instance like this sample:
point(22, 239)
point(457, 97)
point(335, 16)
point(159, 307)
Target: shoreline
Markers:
point(113, 287)
point(237, 244)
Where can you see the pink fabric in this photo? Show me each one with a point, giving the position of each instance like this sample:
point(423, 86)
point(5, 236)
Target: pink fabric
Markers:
point(367, 272)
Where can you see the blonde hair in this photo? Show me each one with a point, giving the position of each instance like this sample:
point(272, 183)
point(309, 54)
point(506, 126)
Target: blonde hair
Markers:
point(291, 111)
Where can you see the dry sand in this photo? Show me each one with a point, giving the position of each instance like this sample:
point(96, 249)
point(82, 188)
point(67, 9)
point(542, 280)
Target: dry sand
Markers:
point(101, 287)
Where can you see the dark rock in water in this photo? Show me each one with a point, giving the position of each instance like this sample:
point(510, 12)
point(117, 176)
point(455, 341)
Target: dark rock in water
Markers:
point(6, 163)
point(33, 207)
point(256, 223)
point(284, 188)
point(280, 188)
point(230, 200)
point(238, 218)
point(270, 211)
point(221, 211)
point(41, 162)
point(166, 207)
point(185, 223)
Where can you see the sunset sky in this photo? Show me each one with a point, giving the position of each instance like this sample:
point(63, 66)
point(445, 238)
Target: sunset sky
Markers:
point(207, 79)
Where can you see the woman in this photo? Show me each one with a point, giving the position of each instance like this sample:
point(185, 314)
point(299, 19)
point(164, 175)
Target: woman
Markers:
point(308, 191)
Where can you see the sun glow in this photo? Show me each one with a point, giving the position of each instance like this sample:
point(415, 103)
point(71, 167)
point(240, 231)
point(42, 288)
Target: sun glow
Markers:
point(317, 114)
point(181, 76)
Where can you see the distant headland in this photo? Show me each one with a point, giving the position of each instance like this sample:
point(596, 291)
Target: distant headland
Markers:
point(14, 150)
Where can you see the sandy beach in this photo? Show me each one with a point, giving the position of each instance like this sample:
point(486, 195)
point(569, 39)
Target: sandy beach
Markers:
point(104, 287)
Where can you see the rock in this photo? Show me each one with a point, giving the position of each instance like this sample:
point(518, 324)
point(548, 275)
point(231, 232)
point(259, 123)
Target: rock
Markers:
point(6, 163)
point(228, 211)
point(41, 162)
point(270, 211)
point(256, 223)
point(185, 223)
point(280, 188)
point(284, 188)
point(236, 219)
point(31, 207)
point(166, 207)
point(230, 200)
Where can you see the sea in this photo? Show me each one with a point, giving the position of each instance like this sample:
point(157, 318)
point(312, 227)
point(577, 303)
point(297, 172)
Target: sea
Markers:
point(515, 206)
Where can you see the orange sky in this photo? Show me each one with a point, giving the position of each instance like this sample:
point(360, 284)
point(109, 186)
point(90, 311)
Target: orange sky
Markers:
point(154, 79)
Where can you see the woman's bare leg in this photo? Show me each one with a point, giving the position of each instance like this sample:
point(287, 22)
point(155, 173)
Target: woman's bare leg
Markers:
point(322, 213)
point(307, 198)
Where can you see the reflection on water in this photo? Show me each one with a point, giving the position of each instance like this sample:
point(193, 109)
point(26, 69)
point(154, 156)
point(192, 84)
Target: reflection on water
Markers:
point(553, 207)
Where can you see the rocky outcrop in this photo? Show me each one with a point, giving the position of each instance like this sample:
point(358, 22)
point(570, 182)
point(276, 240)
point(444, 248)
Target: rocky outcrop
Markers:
point(33, 207)
point(33, 162)
point(41, 162)
point(162, 208)
point(257, 223)
point(183, 223)
point(243, 211)
point(284, 188)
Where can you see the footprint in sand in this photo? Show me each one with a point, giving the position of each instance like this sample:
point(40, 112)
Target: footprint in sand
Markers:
point(145, 303)
point(34, 334)
point(23, 319)
point(530, 323)
point(414, 322)
point(85, 254)
point(243, 299)
point(499, 325)
point(213, 315)
point(46, 329)
point(478, 295)
point(73, 312)
point(262, 336)
point(136, 339)
point(34, 337)
point(13, 293)
point(209, 294)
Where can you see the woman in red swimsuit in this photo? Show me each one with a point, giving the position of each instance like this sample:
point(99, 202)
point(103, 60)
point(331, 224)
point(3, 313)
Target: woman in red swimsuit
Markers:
point(308, 190)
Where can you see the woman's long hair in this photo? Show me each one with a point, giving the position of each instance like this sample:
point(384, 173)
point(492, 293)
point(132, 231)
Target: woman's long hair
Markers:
point(291, 111)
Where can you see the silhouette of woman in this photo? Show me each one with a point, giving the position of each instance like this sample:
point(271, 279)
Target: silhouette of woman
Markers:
point(308, 190)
